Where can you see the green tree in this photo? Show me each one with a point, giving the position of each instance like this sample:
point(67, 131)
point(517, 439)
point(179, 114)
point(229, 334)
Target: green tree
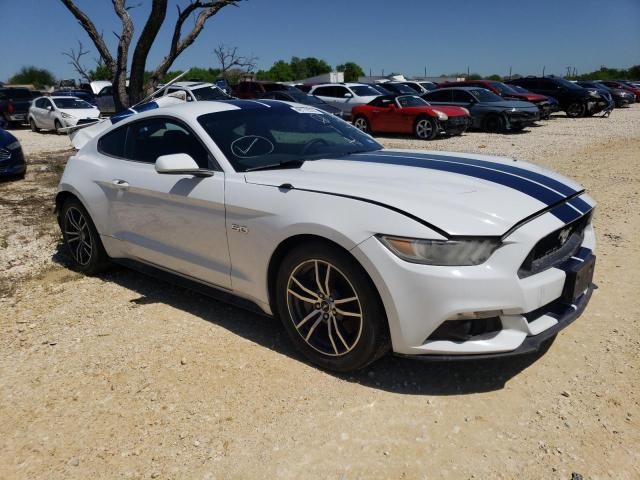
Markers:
point(101, 72)
point(279, 72)
point(352, 71)
point(302, 68)
point(495, 77)
point(38, 77)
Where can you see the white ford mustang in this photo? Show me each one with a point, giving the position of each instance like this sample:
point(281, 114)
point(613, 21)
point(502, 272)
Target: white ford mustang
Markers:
point(357, 249)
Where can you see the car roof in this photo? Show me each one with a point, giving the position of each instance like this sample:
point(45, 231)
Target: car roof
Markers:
point(192, 84)
point(58, 97)
point(456, 88)
point(348, 84)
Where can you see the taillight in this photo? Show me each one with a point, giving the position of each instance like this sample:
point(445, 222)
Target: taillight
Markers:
point(10, 107)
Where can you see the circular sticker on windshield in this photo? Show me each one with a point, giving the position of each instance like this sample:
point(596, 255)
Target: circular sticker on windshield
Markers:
point(251, 146)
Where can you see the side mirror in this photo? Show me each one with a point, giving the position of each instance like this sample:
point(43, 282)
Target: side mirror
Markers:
point(348, 95)
point(49, 107)
point(180, 164)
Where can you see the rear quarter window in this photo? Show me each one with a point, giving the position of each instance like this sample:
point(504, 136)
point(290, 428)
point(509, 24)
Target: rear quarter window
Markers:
point(113, 143)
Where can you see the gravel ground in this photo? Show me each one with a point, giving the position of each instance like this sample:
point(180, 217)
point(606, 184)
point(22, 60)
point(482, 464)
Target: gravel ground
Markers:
point(120, 376)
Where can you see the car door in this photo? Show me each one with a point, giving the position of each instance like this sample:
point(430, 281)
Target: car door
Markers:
point(462, 98)
point(37, 111)
point(175, 222)
point(327, 94)
point(49, 114)
point(104, 100)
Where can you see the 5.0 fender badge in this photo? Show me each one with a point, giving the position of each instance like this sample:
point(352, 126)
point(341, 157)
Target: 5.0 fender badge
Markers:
point(239, 228)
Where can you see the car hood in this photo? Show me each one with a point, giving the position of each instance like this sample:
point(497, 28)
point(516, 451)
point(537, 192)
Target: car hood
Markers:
point(449, 110)
point(461, 194)
point(81, 112)
point(6, 138)
point(529, 97)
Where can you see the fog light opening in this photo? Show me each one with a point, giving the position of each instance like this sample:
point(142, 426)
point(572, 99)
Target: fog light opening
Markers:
point(464, 330)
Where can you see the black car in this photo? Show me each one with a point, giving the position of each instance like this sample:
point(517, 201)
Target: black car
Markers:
point(398, 88)
point(574, 100)
point(14, 105)
point(621, 97)
point(489, 111)
point(12, 162)
point(81, 94)
point(291, 95)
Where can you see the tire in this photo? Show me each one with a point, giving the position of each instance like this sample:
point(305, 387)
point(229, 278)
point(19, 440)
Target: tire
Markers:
point(343, 336)
point(82, 239)
point(517, 128)
point(575, 110)
point(494, 124)
point(426, 128)
point(57, 125)
point(34, 127)
point(361, 123)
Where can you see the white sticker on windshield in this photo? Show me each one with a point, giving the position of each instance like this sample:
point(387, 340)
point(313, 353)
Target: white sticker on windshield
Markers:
point(306, 110)
point(251, 146)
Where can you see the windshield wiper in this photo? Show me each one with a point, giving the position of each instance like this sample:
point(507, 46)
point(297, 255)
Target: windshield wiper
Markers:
point(273, 166)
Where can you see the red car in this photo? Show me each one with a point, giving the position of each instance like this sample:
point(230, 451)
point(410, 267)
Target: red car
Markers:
point(409, 114)
point(506, 91)
point(623, 86)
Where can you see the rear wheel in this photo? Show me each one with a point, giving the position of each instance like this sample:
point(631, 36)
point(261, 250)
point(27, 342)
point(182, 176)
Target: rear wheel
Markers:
point(82, 239)
point(361, 123)
point(330, 308)
point(494, 123)
point(426, 128)
point(575, 110)
point(32, 124)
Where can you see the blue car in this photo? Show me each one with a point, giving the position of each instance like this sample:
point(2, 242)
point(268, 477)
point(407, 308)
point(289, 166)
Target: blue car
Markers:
point(81, 94)
point(12, 162)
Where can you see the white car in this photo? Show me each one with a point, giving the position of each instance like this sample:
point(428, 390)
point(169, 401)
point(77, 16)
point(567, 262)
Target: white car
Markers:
point(345, 96)
point(58, 113)
point(359, 250)
point(196, 91)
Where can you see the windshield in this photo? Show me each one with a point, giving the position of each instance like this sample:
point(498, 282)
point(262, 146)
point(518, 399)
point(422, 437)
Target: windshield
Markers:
point(255, 137)
point(306, 99)
point(401, 88)
point(411, 101)
point(365, 91)
point(66, 103)
point(429, 85)
point(568, 84)
point(209, 93)
point(503, 88)
point(483, 95)
point(519, 89)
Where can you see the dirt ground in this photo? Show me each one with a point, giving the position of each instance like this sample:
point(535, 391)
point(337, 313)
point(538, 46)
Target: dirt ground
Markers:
point(122, 376)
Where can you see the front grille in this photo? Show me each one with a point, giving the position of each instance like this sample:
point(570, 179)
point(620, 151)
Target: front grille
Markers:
point(551, 250)
point(462, 120)
point(4, 154)
point(82, 121)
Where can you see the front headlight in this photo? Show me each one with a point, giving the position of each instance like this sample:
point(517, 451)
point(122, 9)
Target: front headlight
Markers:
point(472, 251)
point(13, 146)
point(66, 115)
point(441, 115)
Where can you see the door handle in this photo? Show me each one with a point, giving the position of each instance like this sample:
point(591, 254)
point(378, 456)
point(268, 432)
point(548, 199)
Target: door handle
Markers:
point(120, 183)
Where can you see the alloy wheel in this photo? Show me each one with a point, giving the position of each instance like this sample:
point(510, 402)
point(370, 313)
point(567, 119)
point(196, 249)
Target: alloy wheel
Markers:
point(78, 236)
point(361, 124)
point(424, 129)
point(324, 307)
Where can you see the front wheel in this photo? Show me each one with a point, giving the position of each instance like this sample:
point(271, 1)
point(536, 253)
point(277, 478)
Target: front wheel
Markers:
point(494, 123)
point(82, 239)
point(426, 128)
point(575, 110)
point(330, 308)
point(58, 126)
point(361, 123)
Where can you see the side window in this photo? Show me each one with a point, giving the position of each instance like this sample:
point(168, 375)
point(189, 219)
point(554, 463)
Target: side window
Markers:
point(439, 96)
point(460, 96)
point(149, 139)
point(40, 103)
point(323, 91)
point(112, 143)
point(49, 103)
point(341, 91)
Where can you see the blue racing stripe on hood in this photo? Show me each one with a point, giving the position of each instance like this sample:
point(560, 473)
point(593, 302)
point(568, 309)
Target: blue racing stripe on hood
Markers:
point(549, 182)
point(528, 187)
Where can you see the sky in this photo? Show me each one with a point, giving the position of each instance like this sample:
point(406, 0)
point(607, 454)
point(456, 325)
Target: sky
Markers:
point(403, 36)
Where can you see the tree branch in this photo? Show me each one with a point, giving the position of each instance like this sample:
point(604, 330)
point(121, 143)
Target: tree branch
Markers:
point(91, 30)
point(178, 43)
point(76, 61)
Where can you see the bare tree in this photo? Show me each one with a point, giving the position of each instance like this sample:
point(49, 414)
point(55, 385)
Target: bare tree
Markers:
point(201, 11)
point(75, 60)
point(229, 58)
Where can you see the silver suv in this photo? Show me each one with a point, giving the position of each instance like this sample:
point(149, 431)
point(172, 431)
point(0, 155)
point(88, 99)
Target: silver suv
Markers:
point(345, 96)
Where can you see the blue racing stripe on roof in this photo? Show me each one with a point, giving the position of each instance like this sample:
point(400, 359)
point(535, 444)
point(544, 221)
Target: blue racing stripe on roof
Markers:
point(528, 187)
point(549, 182)
point(244, 104)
